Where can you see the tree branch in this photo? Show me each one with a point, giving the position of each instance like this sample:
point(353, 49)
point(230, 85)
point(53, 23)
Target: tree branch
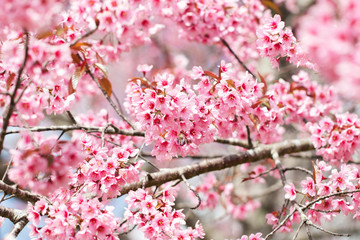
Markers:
point(18, 227)
point(11, 107)
point(205, 166)
point(18, 217)
point(22, 194)
point(115, 130)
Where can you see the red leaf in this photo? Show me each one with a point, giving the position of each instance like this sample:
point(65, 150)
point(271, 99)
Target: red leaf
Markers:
point(272, 6)
point(9, 80)
point(264, 90)
point(79, 72)
point(106, 85)
point(80, 46)
point(211, 74)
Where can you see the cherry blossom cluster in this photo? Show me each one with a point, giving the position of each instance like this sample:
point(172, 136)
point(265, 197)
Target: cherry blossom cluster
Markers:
point(273, 220)
point(304, 100)
point(337, 24)
point(336, 139)
point(121, 24)
point(207, 21)
point(32, 15)
point(43, 164)
point(326, 181)
point(275, 41)
point(106, 168)
point(105, 171)
point(239, 101)
point(156, 217)
point(180, 116)
point(72, 215)
point(50, 60)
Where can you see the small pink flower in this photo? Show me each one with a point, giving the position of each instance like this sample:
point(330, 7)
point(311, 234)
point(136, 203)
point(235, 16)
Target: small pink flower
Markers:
point(308, 186)
point(197, 72)
point(224, 67)
point(290, 191)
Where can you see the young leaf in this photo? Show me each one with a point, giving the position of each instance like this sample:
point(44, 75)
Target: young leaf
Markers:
point(106, 84)
point(271, 5)
point(9, 80)
point(210, 74)
point(80, 46)
point(102, 67)
point(262, 79)
point(79, 72)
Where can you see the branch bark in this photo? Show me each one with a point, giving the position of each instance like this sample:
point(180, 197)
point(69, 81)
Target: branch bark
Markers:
point(11, 107)
point(18, 217)
point(205, 166)
point(22, 194)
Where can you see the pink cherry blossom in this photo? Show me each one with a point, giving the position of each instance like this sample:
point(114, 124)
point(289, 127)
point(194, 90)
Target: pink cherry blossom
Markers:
point(290, 191)
point(308, 186)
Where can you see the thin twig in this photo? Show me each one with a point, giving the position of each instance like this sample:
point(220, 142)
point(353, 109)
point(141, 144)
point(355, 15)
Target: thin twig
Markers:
point(84, 36)
point(237, 58)
point(134, 133)
point(80, 127)
point(150, 163)
point(108, 98)
point(280, 225)
point(72, 118)
point(327, 231)
point(308, 232)
point(298, 230)
point(298, 169)
point(232, 141)
point(117, 102)
point(193, 190)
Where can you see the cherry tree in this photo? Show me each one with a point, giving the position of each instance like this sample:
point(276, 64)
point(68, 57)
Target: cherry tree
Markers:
point(191, 115)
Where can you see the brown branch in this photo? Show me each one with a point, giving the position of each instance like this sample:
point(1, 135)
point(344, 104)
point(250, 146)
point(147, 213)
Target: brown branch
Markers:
point(11, 107)
point(205, 166)
point(18, 227)
point(12, 214)
point(112, 130)
point(115, 130)
point(22, 194)
point(18, 217)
